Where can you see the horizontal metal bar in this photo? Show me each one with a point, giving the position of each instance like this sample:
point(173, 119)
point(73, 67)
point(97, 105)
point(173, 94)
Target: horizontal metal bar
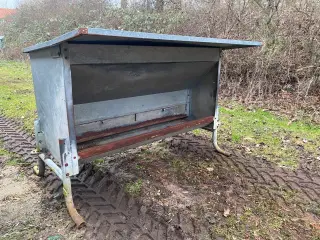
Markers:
point(100, 149)
point(133, 119)
point(95, 135)
point(101, 110)
point(51, 165)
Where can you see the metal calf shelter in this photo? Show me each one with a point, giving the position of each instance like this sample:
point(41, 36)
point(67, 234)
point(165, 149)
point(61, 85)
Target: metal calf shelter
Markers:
point(102, 91)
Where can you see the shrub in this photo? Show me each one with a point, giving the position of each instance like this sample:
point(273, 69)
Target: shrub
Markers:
point(289, 60)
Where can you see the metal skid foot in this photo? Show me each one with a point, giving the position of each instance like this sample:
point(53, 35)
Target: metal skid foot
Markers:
point(65, 176)
point(79, 221)
point(215, 134)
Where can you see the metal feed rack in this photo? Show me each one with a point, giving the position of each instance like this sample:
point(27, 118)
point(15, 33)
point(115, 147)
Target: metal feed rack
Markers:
point(102, 91)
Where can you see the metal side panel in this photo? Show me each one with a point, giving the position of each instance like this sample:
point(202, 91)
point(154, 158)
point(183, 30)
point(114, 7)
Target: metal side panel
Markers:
point(48, 72)
point(101, 82)
point(204, 95)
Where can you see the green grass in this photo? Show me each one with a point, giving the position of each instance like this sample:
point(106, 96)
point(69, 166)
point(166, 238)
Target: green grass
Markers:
point(134, 188)
point(3, 152)
point(270, 136)
point(16, 95)
point(11, 159)
point(260, 221)
point(23, 230)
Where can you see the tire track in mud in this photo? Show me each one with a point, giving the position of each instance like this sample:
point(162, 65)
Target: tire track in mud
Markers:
point(109, 212)
point(265, 177)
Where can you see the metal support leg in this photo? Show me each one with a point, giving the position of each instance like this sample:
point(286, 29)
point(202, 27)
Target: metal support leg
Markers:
point(67, 192)
point(215, 134)
point(79, 221)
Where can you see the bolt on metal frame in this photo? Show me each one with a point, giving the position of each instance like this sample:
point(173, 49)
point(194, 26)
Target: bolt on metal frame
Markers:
point(102, 91)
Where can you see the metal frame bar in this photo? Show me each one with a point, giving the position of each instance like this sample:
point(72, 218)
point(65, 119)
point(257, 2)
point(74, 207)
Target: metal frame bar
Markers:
point(95, 135)
point(68, 145)
point(73, 167)
point(40, 139)
point(216, 116)
point(143, 138)
point(54, 167)
point(66, 180)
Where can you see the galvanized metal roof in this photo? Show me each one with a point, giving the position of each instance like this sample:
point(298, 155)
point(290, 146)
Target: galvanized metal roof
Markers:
point(107, 36)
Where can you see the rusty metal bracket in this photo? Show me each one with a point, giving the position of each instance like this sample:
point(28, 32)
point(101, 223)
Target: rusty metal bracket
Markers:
point(67, 191)
point(39, 135)
point(55, 52)
point(215, 133)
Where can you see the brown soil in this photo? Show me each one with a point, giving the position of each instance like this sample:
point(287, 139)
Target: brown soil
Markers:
point(25, 212)
point(214, 196)
point(174, 189)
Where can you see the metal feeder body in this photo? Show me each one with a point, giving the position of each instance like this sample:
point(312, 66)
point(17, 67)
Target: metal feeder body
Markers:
point(102, 91)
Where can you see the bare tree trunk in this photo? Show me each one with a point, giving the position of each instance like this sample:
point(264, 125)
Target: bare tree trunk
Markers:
point(124, 3)
point(159, 5)
point(147, 4)
point(178, 4)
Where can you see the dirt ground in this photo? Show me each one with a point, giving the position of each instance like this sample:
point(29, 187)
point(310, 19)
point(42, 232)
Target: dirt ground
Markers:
point(178, 188)
point(26, 212)
point(212, 195)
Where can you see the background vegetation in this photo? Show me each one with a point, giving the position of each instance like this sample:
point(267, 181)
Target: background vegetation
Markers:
point(280, 77)
point(286, 67)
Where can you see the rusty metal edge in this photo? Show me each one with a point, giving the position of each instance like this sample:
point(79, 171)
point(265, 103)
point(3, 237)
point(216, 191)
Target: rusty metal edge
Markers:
point(58, 40)
point(98, 150)
point(95, 135)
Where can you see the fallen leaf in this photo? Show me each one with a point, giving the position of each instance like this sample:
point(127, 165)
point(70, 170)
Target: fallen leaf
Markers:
point(226, 212)
point(291, 121)
point(247, 149)
point(250, 139)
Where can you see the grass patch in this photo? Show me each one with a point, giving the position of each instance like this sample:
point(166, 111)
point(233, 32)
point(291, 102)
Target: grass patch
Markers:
point(134, 188)
point(11, 159)
point(178, 166)
point(263, 219)
point(13, 162)
point(3, 152)
point(16, 95)
point(24, 230)
point(267, 135)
